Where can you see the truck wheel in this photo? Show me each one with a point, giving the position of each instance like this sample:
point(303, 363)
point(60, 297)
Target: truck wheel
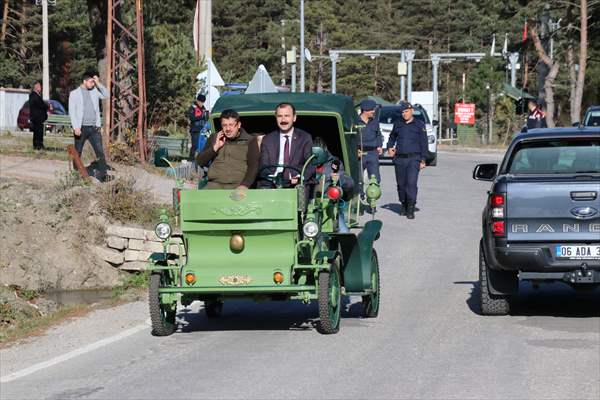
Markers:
point(491, 304)
point(371, 301)
point(161, 316)
point(433, 162)
point(213, 308)
point(329, 300)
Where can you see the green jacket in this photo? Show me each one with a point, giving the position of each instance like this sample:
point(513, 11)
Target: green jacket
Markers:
point(236, 163)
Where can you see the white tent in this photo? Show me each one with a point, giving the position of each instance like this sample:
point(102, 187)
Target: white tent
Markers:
point(209, 79)
point(261, 82)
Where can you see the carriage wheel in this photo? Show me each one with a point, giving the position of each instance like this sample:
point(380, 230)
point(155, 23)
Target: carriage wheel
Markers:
point(329, 300)
point(371, 301)
point(161, 315)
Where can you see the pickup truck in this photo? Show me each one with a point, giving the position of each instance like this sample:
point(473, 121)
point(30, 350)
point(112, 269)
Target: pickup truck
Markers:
point(541, 221)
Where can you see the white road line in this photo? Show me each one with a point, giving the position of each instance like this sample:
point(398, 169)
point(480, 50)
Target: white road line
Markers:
point(72, 354)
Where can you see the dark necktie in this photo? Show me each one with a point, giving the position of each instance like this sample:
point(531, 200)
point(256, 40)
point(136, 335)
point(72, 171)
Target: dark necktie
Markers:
point(286, 156)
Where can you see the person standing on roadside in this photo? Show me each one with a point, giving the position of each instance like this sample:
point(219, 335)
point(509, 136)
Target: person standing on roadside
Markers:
point(408, 147)
point(536, 117)
point(372, 140)
point(38, 113)
point(84, 111)
point(198, 115)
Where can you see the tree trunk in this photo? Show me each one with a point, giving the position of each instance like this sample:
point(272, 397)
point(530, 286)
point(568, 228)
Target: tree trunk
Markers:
point(4, 21)
point(576, 103)
point(572, 84)
point(550, 78)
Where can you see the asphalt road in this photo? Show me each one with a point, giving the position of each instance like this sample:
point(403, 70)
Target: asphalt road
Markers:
point(429, 341)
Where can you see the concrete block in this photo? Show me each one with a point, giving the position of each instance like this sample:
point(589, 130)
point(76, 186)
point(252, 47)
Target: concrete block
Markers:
point(126, 231)
point(136, 244)
point(134, 266)
point(141, 245)
point(116, 242)
point(151, 236)
point(112, 256)
point(131, 255)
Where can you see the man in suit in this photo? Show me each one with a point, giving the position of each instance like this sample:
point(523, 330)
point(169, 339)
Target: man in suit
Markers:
point(287, 145)
point(38, 113)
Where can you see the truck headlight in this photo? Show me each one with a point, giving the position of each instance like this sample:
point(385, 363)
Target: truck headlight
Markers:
point(310, 229)
point(163, 230)
point(431, 139)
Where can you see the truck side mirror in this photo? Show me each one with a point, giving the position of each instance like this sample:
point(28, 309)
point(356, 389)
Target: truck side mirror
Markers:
point(485, 172)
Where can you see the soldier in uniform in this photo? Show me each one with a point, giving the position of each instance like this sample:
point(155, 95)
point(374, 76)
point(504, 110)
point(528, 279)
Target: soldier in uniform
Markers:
point(408, 146)
point(372, 140)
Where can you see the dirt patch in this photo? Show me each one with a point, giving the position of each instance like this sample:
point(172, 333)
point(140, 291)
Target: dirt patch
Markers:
point(45, 229)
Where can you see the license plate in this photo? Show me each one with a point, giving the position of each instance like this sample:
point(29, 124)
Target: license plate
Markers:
point(578, 252)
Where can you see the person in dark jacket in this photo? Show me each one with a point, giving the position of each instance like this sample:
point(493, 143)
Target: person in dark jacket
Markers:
point(536, 117)
point(198, 115)
point(38, 113)
point(231, 155)
point(408, 145)
point(287, 145)
point(372, 140)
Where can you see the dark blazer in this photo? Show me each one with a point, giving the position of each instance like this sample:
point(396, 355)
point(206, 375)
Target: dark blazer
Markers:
point(38, 109)
point(300, 151)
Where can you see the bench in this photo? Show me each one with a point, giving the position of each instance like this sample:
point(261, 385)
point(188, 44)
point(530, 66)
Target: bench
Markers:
point(176, 147)
point(60, 124)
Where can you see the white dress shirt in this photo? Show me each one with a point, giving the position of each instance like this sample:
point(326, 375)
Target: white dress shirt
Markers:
point(282, 136)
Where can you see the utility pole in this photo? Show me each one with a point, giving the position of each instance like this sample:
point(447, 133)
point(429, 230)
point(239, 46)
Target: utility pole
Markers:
point(282, 52)
point(302, 46)
point(45, 57)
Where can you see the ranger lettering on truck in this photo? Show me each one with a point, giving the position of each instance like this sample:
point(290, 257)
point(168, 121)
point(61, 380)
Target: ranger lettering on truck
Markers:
point(541, 222)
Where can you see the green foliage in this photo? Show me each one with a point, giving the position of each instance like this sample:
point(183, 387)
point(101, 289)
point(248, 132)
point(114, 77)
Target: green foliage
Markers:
point(486, 79)
point(506, 120)
point(171, 73)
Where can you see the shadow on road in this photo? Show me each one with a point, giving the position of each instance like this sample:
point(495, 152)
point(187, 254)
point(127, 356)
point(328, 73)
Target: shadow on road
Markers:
point(393, 207)
point(239, 315)
point(553, 300)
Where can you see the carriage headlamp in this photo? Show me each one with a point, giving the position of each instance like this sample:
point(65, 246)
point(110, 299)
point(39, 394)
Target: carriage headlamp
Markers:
point(163, 230)
point(310, 229)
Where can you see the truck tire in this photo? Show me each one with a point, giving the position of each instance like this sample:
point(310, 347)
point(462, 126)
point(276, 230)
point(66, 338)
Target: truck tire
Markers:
point(162, 318)
point(330, 300)
point(433, 162)
point(491, 304)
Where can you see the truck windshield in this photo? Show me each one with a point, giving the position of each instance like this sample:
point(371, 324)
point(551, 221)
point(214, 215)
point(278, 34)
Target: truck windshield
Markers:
point(570, 156)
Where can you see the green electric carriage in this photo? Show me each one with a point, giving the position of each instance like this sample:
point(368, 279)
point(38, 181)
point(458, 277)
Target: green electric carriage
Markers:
point(277, 244)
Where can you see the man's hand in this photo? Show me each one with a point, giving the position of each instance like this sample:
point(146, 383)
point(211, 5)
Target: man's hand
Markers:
point(96, 79)
point(392, 152)
point(379, 151)
point(219, 141)
point(77, 131)
point(294, 180)
point(241, 187)
point(422, 165)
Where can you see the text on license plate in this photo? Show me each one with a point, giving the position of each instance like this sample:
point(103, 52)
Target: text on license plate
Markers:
point(579, 252)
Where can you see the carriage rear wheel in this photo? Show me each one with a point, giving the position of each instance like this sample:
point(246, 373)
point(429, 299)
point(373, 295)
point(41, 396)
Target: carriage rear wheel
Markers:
point(162, 316)
point(329, 300)
point(371, 301)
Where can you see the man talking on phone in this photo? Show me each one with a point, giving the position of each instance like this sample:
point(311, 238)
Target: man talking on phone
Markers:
point(231, 155)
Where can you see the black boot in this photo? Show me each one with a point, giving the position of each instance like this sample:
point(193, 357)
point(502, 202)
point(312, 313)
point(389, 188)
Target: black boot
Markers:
point(410, 211)
point(402, 210)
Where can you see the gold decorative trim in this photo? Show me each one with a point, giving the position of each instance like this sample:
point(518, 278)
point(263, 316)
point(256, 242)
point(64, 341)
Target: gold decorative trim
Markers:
point(235, 280)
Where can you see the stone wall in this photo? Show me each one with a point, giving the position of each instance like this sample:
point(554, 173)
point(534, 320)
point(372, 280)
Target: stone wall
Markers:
point(128, 248)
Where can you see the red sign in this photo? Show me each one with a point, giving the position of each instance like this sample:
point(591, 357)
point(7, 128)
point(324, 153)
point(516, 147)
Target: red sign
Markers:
point(464, 113)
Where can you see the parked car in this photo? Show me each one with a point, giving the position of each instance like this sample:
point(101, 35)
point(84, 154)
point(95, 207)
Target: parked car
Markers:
point(23, 117)
point(541, 221)
point(388, 114)
point(592, 116)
